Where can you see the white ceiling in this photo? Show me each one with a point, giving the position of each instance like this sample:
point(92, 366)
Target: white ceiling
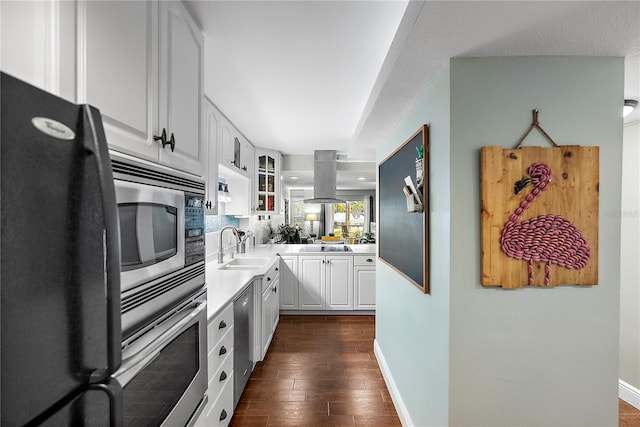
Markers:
point(297, 76)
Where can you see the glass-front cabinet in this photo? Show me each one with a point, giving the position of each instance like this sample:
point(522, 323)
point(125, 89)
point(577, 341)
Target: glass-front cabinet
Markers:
point(267, 182)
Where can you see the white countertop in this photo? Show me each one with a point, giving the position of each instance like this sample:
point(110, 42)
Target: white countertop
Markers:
point(223, 286)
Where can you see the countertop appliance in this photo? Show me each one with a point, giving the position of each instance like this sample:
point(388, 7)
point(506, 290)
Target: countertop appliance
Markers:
point(162, 243)
point(326, 248)
point(242, 341)
point(60, 266)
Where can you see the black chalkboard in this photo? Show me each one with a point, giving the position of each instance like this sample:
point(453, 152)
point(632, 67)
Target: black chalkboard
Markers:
point(403, 236)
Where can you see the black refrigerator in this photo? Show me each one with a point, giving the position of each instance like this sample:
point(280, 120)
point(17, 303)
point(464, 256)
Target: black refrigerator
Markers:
point(59, 263)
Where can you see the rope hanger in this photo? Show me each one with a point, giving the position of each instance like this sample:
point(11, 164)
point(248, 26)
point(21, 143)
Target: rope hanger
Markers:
point(535, 124)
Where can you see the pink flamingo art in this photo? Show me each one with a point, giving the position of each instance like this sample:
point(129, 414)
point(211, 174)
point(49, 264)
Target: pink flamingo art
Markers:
point(546, 238)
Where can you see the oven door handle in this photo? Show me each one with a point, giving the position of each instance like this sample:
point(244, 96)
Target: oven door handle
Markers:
point(134, 364)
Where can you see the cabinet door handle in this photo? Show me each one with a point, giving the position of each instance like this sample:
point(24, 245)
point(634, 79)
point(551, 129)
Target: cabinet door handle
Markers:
point(171, 142)
point(223, 350)
point(268, 279)
point(275, 289)
point(276, 268)
point(244, 168)
point(369, 260)
point(162, 138)
point(323, 261)
point(222, 325)
point(223, 415)
point(223, 376)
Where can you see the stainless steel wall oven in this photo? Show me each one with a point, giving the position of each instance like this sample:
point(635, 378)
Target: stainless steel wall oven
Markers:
point(163, 295)
point(164, 367)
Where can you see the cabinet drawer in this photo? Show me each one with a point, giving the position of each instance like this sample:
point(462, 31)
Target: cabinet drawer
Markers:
point(220, 377)
point(219, 410)
point(219, 326)
point(219, 352)
point(364, 260)
point(271, 274)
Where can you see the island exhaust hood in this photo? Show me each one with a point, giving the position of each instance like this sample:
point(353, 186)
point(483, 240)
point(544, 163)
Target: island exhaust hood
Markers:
point(324, 177)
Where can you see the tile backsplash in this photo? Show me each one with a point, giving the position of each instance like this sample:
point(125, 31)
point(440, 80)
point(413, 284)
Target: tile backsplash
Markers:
point(216, 222)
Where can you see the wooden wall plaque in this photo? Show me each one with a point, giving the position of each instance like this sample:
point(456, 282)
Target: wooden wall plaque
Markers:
point(543, 237)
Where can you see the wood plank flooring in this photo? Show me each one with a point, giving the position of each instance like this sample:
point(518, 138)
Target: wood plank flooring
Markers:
point(628, 415)
point(319, 371)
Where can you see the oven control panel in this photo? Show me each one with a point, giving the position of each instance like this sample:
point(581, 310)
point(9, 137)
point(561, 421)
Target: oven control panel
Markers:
point(193, 229)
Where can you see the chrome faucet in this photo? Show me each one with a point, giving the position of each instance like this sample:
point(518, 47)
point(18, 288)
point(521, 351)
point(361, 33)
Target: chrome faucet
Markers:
point(243, 241)
point(220, 250)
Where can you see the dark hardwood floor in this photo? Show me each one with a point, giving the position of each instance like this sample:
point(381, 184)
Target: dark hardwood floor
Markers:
point(321, 371)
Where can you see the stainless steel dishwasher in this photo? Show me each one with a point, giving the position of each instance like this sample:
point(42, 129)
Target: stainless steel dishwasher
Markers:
point(242, 341)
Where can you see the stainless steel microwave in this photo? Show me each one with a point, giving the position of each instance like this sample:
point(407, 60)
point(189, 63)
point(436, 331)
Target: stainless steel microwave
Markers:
point(162, 237)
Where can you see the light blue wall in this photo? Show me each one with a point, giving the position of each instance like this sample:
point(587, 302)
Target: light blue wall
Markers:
point(412, 328)
point(469, 355)
point(533, 356)
point(630, 254)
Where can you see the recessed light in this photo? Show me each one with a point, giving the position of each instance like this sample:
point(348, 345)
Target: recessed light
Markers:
point(293, 177)
point(362, 178)
point(629, 106)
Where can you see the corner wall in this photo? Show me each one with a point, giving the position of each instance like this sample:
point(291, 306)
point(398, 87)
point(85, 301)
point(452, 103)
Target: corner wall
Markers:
point(412, 329)
point(533, 356)
point(629, 266)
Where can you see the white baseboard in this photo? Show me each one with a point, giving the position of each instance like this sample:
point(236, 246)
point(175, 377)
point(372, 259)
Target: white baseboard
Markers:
point(628, 393)
point(403, 414)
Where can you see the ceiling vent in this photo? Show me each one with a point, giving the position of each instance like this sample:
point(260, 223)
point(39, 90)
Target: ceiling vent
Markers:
point(324, 177)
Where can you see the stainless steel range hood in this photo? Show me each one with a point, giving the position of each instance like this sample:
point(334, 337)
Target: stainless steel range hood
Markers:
point(324, 177)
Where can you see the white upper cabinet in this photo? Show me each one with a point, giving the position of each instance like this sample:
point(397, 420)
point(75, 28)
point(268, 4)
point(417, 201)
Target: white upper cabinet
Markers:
point(141, 64)
point(182, 87)
point(235, 151)
point(37, 44)
point(118, 60)
point(267, 182)
point(226, 148)
point(246, 156)
point(212, 126)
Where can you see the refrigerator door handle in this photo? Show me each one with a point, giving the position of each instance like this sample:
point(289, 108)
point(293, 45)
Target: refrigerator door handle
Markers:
point(95, 142)
point(114, 392)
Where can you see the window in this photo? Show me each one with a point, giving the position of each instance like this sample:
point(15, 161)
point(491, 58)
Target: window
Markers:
point(348, 220)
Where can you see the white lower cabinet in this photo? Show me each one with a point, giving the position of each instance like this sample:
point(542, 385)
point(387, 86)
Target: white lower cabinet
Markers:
point(325, 282)
point(311, 272)
point(289, 283)
point(328, 282)
point(339, 283)
point(219, 408)
point(364, 282)
point(270, 313)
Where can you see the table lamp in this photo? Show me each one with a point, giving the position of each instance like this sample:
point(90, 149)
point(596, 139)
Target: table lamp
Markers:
point(311, 217)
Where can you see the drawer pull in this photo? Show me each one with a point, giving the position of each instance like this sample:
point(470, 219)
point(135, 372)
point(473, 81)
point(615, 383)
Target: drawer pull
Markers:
point(276, 268)
point(223, 350)
point(222, 325)
point(268, 279)
point(223, 376)
point(223, 415)
point(369, 260)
